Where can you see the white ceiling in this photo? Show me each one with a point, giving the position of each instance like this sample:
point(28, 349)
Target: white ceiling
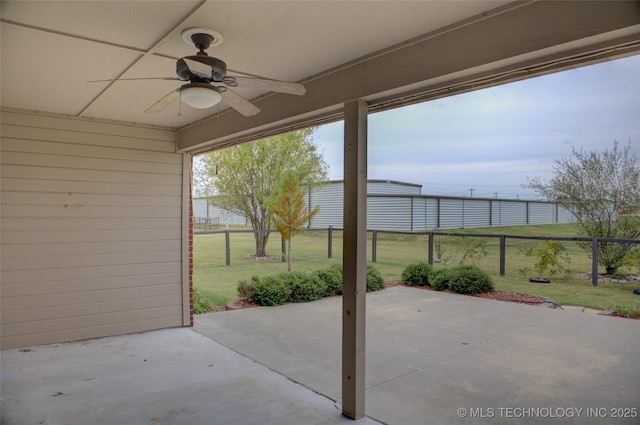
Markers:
point(50, 49)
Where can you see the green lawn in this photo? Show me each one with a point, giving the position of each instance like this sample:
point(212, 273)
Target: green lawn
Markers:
point(394, 252)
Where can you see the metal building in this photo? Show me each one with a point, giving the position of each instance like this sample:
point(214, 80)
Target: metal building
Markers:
point(203, 207)
point(394, 205)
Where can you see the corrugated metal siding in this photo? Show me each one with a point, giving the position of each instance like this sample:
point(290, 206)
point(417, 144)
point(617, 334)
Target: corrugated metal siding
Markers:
point(432, 213)
point(203, 207)
point(388, 213)
point(419, 206)
point(476, 213)
point(423, 212)
point(200, 207)
point(451, 214)
point(91, 229)
point(540, 213)
point(390, 188)
point(226, 217)
point(565, 216)
point(508, 213)
point(329, 197)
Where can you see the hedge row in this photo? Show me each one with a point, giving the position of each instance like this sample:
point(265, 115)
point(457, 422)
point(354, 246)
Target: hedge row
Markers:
point(463, 279)
point(300, 287)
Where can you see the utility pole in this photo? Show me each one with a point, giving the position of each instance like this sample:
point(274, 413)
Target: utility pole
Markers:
point(471, 191)
point(495, 194)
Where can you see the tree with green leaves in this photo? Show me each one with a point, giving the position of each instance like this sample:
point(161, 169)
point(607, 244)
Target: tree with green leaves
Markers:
point(288, 209)
point(602, 191)
point(241, 178)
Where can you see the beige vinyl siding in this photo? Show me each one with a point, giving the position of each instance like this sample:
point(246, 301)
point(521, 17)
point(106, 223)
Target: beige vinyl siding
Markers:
point(92, 229)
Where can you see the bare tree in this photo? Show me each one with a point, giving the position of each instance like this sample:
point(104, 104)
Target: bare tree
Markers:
point(602, 191)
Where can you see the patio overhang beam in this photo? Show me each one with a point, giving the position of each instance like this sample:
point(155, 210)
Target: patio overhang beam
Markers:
point(517, 41)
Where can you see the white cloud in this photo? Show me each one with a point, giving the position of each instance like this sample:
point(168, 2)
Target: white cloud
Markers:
point(497, 137)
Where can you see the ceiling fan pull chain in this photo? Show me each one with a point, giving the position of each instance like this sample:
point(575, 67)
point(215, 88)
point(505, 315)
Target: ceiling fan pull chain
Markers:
point(230, 81)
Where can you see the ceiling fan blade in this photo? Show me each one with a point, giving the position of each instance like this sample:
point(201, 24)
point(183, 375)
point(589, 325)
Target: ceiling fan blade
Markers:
point(271, 85)
point(200, 69)
point(164, 102)
point(239, 103)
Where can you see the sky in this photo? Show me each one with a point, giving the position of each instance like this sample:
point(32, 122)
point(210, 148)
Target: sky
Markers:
point(494, 140)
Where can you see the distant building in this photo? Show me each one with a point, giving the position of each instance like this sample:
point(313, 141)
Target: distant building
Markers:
point(400, 206)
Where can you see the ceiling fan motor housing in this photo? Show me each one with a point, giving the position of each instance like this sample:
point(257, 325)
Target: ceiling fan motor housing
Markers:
point(218, 67)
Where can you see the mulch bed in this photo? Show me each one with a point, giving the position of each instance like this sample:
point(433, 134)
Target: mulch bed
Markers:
point(513, 297)
point(241, 303)
point(614, 314)
point(237, 304)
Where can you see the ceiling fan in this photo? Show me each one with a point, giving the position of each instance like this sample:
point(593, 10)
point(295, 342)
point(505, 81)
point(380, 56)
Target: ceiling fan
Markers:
point(208, 82)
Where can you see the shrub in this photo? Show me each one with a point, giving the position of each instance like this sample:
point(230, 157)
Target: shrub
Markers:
point(375, 281)
point(271, 291)
point(332, 277)
point(551, 259)
point(440, 279)
point(416, 274)
point(627, 311)
point(468, 279)
point(305, 287)
point(246, 288)
point(200, 303)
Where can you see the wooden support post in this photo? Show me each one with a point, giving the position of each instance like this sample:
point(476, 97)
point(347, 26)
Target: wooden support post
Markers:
point(354, 259)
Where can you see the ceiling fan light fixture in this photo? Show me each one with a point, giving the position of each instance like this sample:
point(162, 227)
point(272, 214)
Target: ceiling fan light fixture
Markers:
point(200, 95)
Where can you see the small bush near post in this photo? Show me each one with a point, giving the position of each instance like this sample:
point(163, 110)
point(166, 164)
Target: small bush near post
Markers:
point(440, 279)
point(468, 279)
point(246, 288)
point(332, 277)
point(299, 287)
point(416, 274)
point(270, 291)
point(375, 281)
point(304, 287)
point(200, 303)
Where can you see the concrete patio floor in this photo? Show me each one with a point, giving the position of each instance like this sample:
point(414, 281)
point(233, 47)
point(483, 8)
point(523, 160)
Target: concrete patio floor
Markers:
point(432, 358)
point(170, 376)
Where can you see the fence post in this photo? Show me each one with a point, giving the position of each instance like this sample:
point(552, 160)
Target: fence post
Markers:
point(502, 254)
point(330, 243)
point(594, 264)
point(374, 246)
point(430, 249)
point(284, 248)
point(227, 247)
